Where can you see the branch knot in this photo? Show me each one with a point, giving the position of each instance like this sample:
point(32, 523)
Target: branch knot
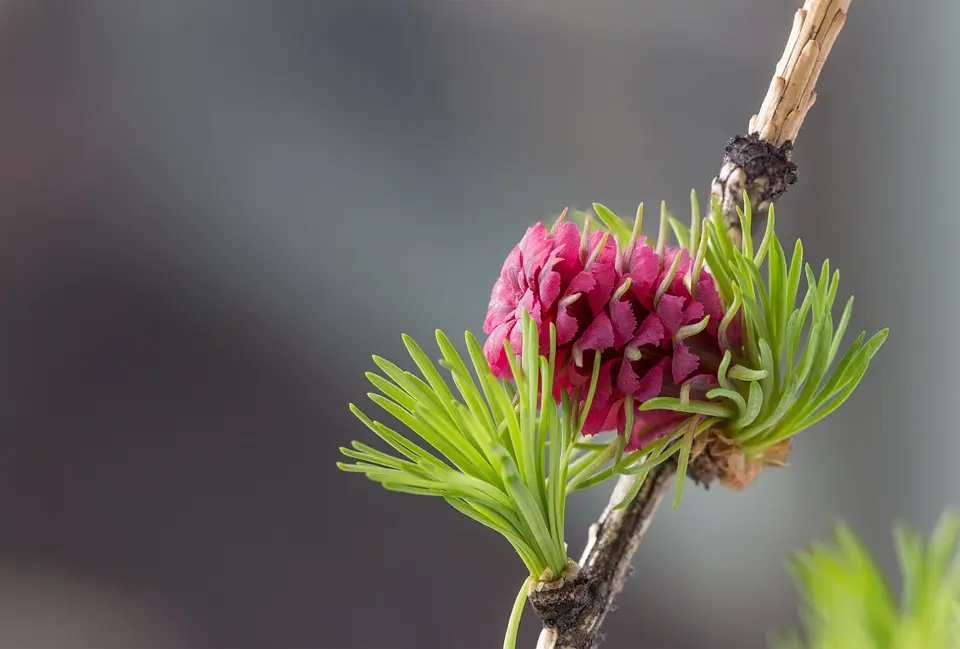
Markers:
point(752, 165)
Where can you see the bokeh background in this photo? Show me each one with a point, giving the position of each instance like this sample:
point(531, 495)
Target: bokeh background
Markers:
point(213, 212)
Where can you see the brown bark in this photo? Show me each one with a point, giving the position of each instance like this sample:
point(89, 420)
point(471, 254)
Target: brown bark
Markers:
point(759, 165)
point(573, 611)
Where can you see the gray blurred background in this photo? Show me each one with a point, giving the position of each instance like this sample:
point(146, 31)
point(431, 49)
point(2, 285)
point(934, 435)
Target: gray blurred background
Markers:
point(213, 212)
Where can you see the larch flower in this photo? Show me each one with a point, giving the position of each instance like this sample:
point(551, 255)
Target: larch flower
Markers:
point(666, 337)
point(654, 325)
point(716, 371)
point(562, 277)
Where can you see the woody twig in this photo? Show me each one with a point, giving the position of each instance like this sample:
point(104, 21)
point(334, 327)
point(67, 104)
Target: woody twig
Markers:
point(759, 163)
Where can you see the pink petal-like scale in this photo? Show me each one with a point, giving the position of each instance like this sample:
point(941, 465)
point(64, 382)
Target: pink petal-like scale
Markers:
point(559, 284)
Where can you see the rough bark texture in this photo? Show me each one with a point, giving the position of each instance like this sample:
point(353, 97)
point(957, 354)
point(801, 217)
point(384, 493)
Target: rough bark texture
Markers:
point(758, 164)
point(758, 168)
point(573, 611)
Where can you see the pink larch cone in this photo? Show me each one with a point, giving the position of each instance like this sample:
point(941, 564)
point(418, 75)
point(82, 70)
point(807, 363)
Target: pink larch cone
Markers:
point(559, 279)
